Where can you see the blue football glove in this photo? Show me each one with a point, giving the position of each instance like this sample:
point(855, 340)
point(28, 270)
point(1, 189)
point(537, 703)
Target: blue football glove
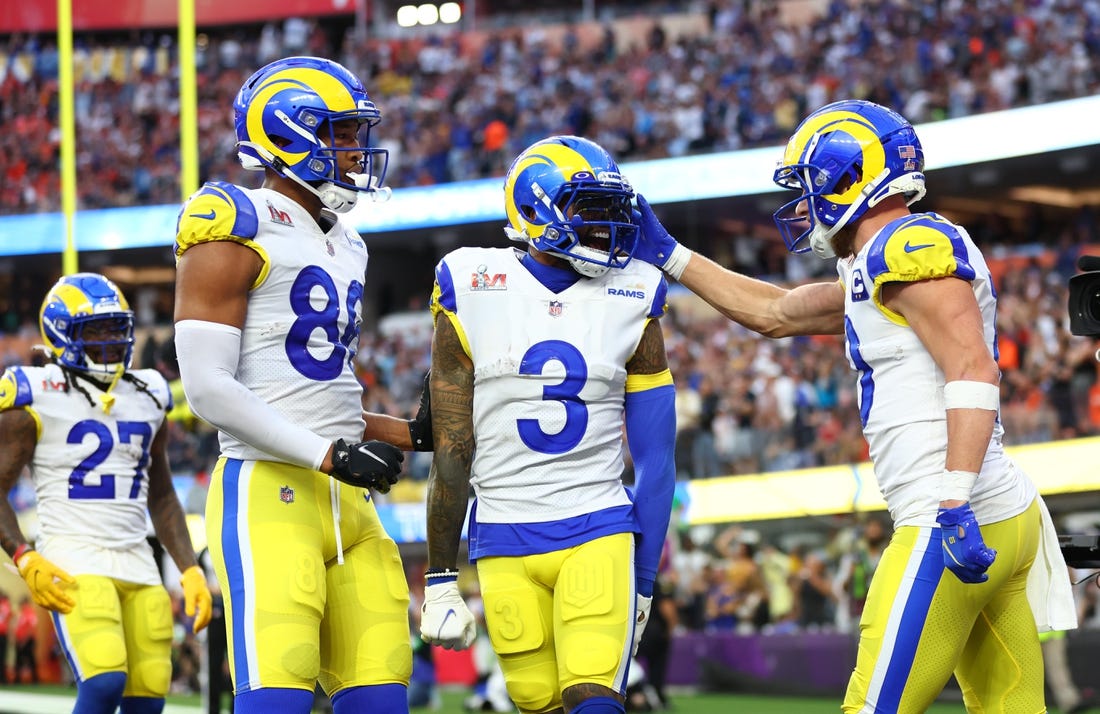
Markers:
point(655, 245)
point(964, 552)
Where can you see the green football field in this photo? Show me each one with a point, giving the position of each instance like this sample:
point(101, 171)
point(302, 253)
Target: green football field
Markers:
point(43, 699)
point(47, 699)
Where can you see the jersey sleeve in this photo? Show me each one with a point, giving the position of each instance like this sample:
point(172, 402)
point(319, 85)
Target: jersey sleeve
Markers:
point(445, 301)
point(659, 306)
point(218, 211)
point(15, 390)
point(922, 247)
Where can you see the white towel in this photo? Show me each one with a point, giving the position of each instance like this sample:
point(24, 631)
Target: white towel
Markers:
point(1048, 587)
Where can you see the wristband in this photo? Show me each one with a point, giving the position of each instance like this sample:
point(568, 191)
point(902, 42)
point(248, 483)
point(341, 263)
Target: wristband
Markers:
point(965, 394)
point(20, 552)
point(957, 485)
point(677, 262)
point(441, 575)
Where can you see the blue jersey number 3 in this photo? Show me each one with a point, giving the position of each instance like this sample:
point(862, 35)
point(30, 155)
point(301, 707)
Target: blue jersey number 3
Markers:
point(567, 392)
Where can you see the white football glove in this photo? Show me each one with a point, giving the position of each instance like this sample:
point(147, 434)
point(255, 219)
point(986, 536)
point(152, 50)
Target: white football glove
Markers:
point(444, 618)
point(641, 620)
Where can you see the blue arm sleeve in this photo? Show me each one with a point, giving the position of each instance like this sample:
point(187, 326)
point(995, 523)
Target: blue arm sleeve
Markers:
point(651, 434)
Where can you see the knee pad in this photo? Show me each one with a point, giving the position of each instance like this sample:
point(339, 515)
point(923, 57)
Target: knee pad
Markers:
point(531, 694)
point(599, 705)
point(100, 694)
point(149, 628)
point(590, 655)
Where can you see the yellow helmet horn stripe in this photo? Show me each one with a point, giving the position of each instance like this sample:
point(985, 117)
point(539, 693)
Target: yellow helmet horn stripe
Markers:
point(331, 90)
point(874, 158)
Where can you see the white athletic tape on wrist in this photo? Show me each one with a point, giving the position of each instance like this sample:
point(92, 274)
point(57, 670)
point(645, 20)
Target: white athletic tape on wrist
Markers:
point(676, 262)
point(963, 394)
point(957, 485)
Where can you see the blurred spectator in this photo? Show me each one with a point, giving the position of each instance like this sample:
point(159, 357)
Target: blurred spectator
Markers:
point(717, 83)
point(26, 637)
point(858, 565)
point(5, 626)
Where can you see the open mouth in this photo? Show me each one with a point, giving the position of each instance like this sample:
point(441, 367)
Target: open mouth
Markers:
point(597, 239)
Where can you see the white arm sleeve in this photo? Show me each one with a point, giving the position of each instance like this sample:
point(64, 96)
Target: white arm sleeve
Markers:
point(208, 353)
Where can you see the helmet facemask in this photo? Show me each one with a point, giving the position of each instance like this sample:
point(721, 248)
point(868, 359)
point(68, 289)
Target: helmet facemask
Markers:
point(100, 345)
point(594, 230)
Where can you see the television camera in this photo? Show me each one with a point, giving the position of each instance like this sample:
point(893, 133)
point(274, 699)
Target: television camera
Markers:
point(1084, 298)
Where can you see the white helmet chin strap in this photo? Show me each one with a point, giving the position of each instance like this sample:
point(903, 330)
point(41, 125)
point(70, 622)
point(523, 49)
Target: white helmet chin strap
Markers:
point(819, 237)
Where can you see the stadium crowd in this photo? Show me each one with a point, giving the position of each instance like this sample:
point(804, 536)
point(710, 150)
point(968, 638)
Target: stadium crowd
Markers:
point(717, 76)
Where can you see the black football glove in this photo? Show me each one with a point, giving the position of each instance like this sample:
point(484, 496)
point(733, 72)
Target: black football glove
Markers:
point(367, 464)
point(420, 428)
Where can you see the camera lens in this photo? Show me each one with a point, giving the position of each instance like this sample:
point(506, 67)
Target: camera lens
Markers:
point(1090, 303)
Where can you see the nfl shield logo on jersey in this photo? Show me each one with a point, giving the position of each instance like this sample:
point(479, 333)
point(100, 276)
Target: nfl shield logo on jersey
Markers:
point(286, 494)
point(555, 308)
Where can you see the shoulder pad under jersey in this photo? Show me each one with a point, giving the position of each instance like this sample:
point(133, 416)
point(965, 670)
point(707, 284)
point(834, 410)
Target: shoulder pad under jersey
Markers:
point(217, 211)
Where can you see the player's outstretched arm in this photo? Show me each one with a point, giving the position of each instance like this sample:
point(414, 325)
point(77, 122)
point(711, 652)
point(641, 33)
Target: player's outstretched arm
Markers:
point(773, 311)
point(170, 525)
point(445, 620)
point(407, 434)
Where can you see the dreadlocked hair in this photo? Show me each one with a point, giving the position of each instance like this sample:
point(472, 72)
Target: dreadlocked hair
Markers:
point(141, 386)
point(76, 376)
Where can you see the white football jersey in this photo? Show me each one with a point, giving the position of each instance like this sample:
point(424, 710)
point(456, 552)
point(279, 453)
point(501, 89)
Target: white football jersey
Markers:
point(549, 380)
point(304, 312)
point(89, 468)
point(900, 387)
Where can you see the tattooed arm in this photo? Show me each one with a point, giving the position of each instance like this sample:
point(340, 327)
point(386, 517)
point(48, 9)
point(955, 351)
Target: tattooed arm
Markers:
point(18, 437)
point(452, 398)
point(164, 506)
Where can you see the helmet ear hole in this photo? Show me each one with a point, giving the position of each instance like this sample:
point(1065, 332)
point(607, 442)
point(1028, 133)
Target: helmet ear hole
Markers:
point(528, 212)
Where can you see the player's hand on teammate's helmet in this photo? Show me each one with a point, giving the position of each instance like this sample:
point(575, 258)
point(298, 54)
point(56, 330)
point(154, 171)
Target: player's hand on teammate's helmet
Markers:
point(197, 601)
point(964, 552)
point(655, 245)
point(47, 582)
point(444, 618)
point(367, 464)
point(641, 619)
point(420, 428)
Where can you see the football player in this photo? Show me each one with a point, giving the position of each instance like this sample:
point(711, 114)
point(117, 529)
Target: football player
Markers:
point(269, 297)
point(93, 433)
point(538, 357)
point(917, 306)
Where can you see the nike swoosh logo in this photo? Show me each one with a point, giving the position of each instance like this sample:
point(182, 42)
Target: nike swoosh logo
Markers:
point(365, 450)
point(909, 247)
point(210, 216)
point(450, 613)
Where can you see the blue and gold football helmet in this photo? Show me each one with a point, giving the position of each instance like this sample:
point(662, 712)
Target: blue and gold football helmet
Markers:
point(285, 115)
point(845, 158)
point(88, 325)
point(565, 195)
